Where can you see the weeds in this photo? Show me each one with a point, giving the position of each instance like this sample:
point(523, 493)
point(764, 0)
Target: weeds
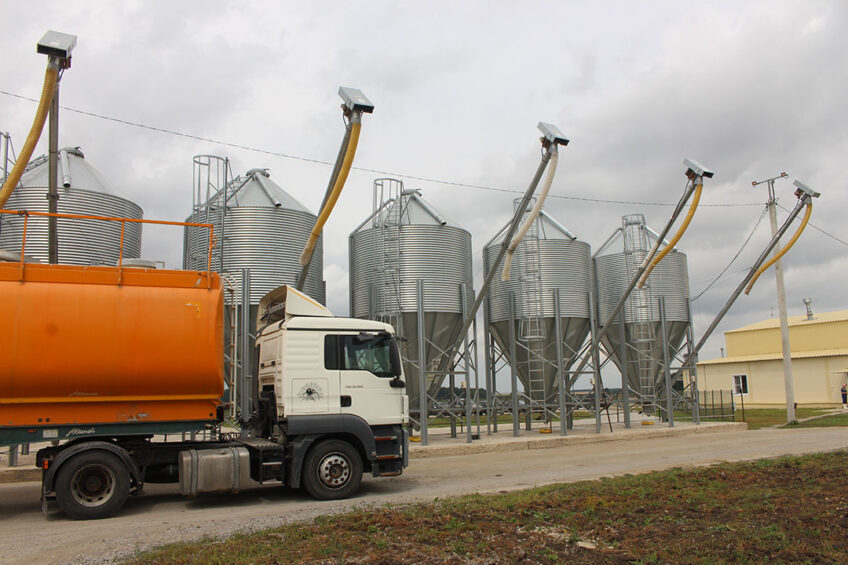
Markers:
point(781, 510)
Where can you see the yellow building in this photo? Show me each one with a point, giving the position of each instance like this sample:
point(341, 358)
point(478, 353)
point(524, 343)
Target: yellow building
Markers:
point(754, 363)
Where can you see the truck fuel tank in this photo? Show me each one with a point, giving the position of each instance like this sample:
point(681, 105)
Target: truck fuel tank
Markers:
point(224, 469)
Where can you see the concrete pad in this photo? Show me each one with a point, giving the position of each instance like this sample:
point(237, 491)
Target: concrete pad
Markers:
point(440, 444)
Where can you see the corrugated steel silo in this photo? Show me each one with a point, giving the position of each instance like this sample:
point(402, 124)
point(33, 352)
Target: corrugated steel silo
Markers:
point(258, 226)
point(83, 190)
point(404, 241)
point(548, 258)
point(642, 322)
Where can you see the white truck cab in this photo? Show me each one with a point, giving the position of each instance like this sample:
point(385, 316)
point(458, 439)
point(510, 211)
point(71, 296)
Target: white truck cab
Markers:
point(324, 377)
point(327, 365)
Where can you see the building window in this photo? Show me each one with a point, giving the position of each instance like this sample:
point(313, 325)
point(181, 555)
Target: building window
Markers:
point(740, 384)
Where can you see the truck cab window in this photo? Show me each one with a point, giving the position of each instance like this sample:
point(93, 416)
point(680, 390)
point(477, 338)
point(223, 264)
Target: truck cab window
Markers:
point(373, 355)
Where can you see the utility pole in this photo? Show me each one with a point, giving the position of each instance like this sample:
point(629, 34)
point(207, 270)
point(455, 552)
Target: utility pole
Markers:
point(781, 303)
point(52, 179)
point(57, 46)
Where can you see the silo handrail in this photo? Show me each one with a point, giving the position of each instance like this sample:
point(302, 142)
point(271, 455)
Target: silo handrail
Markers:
point(27, 213)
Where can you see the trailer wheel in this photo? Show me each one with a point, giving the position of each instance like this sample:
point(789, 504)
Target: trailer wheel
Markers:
point(91, 485)
point(332, 470)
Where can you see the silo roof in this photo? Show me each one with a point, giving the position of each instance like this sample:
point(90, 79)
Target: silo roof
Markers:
point(257, 190)
point(549, 229)
point(618, 235)
point(420, 212)
point(81, 175)
point(416, 212)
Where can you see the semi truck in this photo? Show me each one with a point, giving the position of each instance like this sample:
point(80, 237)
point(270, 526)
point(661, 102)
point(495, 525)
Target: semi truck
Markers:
point(119, 368)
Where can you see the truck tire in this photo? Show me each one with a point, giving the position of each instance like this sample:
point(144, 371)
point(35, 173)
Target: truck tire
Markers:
point(332, 470)
point(94, 484)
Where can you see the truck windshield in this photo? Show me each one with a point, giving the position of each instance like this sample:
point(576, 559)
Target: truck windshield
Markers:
point(372, 355)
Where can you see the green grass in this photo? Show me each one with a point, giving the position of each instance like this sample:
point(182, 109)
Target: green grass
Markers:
point(835, 420)
point(792, 509)
point(765, 417)
point(756, 418)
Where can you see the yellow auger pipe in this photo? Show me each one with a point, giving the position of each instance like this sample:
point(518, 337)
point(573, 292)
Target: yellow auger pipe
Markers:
point(355, 104)
point(534, 213)
point(306, 256)
point(551, 137)
point(807, 213)
point(50, 78)
point(676, 238)
point(805, 197)
point(695, 172)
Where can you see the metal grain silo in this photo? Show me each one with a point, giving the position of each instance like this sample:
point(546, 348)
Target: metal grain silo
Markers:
point(257, 226)
point(405, 241)
point(82, 190)
point(642, 323)
point(548, 259)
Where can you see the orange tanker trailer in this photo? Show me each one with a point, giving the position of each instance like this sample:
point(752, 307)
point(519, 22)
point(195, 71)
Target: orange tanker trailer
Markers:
point(105, 345)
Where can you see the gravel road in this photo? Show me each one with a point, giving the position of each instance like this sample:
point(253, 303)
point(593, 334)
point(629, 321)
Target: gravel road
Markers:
point(162, 516)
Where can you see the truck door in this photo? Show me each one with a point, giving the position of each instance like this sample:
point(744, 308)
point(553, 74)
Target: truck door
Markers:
point(312, 388)
point(365, 377)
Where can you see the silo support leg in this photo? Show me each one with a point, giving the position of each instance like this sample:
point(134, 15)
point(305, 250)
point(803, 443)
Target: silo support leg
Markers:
point(561, 380)
point(422, 366)
point(516, 429)
point(490, 380)
point(467, 366)
point(596, 369)
point(669, 402)
point(625, 386)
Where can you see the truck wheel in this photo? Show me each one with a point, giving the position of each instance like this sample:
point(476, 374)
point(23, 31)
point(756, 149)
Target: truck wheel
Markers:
point(332, 470)
point(91, 485)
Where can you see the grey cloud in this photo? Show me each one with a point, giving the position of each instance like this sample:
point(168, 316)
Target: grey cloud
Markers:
point(749, 90)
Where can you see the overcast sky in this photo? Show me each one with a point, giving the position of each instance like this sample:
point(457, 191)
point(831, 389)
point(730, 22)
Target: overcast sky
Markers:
point(750, 89)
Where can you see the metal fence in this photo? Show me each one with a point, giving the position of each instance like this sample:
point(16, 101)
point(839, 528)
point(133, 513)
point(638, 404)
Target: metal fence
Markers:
point(716, 405)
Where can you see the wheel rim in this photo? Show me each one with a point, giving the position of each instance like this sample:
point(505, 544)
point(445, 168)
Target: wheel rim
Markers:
point(334, 471)
point(93, 485)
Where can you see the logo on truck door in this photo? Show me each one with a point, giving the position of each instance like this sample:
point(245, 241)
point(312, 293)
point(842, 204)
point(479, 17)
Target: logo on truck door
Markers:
point(311, 391)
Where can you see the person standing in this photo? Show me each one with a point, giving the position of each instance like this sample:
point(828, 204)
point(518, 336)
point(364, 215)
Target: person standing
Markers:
point(845, 397)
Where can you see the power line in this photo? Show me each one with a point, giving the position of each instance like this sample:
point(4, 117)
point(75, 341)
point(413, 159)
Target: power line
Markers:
point(811, 224)
point(744, 243)
point(363, 169)
point(749, 238)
